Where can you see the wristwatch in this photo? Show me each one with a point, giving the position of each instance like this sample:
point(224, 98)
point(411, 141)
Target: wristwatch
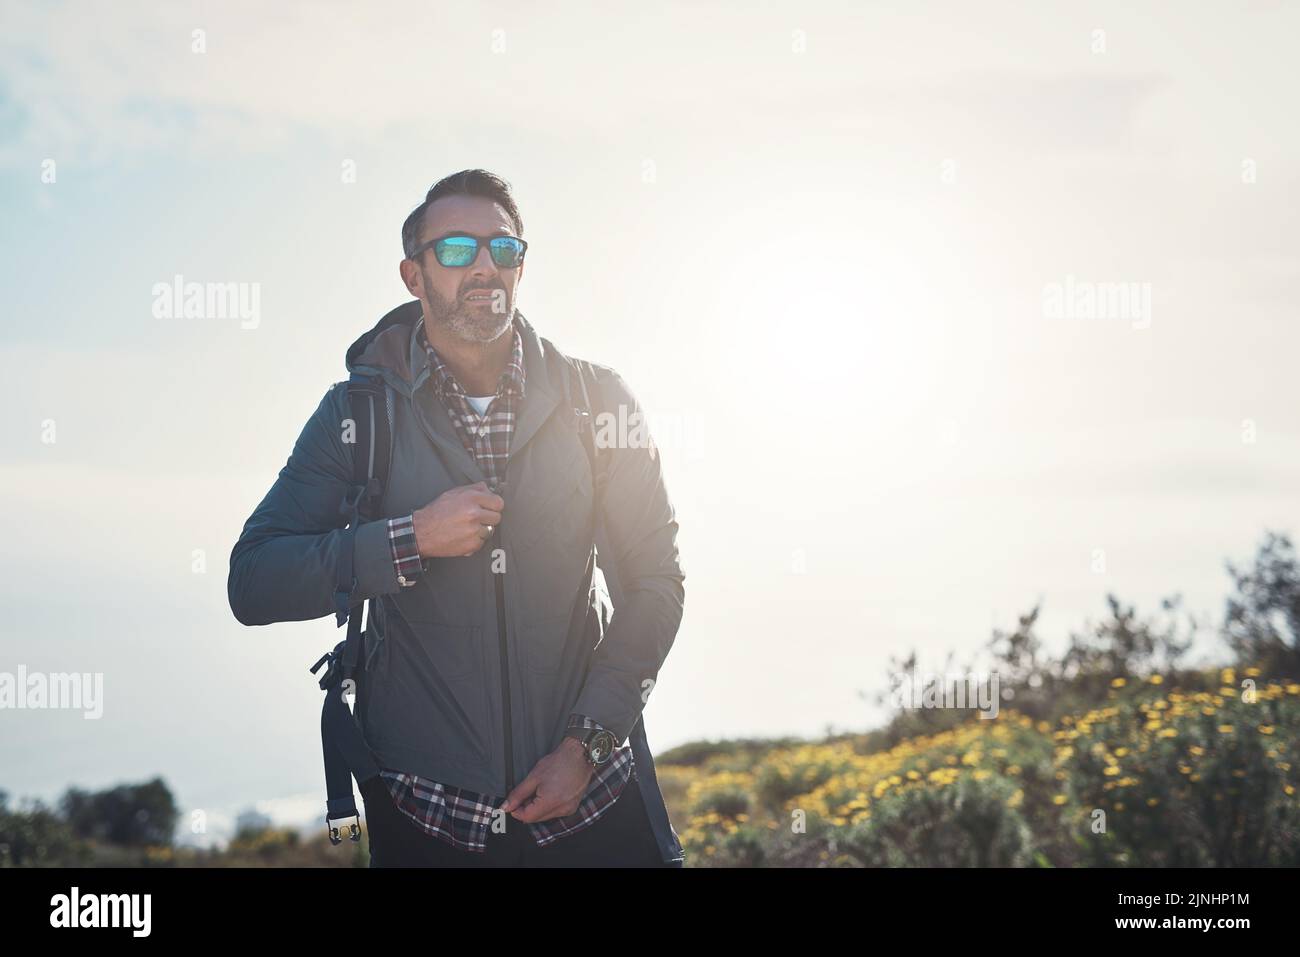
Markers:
point(597, 744)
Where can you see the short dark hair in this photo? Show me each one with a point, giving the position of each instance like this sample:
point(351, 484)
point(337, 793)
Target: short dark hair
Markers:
point(468, 182)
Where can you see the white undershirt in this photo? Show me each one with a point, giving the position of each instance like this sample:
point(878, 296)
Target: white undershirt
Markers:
point(480, 402)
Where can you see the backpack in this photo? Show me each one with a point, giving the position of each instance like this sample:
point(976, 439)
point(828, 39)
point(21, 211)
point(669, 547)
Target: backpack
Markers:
point(346, 754)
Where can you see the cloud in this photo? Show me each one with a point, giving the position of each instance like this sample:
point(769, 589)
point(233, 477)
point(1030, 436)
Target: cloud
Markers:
point(98, 81)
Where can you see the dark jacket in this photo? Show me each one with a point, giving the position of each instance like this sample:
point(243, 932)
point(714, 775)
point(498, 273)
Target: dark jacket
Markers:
point(450, 691)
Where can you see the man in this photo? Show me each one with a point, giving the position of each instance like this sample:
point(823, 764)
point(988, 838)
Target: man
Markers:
point(500, 700)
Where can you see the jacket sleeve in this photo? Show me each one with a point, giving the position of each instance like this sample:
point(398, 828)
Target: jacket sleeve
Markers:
point(284, 566)
point(641, 526)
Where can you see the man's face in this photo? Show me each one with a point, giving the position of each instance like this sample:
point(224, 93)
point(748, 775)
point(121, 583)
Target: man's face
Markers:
point(446, 291)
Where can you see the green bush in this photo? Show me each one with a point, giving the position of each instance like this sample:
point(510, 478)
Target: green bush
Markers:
point(968, 823)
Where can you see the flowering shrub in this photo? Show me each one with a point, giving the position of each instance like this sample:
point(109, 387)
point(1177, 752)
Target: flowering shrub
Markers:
point(1157, 777)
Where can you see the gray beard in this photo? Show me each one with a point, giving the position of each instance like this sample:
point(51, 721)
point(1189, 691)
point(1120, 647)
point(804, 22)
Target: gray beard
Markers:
point(468, 322)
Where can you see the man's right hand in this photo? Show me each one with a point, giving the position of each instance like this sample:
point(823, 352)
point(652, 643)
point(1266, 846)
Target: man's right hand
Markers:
point(452, 525)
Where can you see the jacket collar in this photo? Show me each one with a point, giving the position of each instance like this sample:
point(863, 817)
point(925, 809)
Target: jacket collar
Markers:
point(512, 378)
point(393, 350)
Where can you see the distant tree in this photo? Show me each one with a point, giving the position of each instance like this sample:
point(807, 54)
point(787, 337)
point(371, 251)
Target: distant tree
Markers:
point(1124, 645)
point(131, 815)
point(36, 837)
point(1022, 665)
point(251, 821)
point(1262, 620)
point(909, 722)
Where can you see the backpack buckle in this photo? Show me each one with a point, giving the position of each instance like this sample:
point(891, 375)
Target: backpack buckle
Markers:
point(353, 824)
point(333, 659)
point(351, 500)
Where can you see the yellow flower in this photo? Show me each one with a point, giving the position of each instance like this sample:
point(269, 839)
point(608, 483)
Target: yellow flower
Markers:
point(1118, 683)
point(1265, 729)
point(1152, 802)
point(1157, 679)
point(1111, 770)
point(1225, 729)
point(1058, 799)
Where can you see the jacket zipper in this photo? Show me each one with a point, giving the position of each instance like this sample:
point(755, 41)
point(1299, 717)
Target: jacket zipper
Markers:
point(505, 665)
point(501, 620)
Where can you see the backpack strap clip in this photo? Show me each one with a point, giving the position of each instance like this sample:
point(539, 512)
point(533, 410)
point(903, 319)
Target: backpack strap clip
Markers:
point(358, 495)
point(351, 821)
point(331, 659)
point(344, 747)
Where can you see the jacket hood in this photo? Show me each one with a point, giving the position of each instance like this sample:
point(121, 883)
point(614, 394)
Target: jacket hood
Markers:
point(386, 348)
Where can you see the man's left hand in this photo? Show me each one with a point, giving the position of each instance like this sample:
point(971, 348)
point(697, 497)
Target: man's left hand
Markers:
point(554, 787)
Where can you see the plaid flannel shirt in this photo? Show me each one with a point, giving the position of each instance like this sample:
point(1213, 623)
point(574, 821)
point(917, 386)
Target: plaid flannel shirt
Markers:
point(456, 815)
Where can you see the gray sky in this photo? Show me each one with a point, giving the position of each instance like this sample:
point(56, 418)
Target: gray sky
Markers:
point(820, 241)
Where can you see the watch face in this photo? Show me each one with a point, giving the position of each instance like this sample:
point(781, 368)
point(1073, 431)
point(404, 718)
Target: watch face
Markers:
point(601, 746)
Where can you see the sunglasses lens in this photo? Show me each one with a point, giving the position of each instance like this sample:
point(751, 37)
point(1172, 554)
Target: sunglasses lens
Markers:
point(456, 250)
point(507, 251)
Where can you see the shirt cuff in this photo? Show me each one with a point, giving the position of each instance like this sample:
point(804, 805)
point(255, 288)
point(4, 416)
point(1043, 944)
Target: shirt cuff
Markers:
point(406, 555)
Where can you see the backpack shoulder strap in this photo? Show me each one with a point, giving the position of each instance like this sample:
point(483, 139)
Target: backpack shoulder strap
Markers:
point(371, 401)
point(587, 400)
point(586, 411)
point(370, 404)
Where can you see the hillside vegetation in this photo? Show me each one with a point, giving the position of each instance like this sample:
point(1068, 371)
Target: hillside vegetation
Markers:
point(1111, 754)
